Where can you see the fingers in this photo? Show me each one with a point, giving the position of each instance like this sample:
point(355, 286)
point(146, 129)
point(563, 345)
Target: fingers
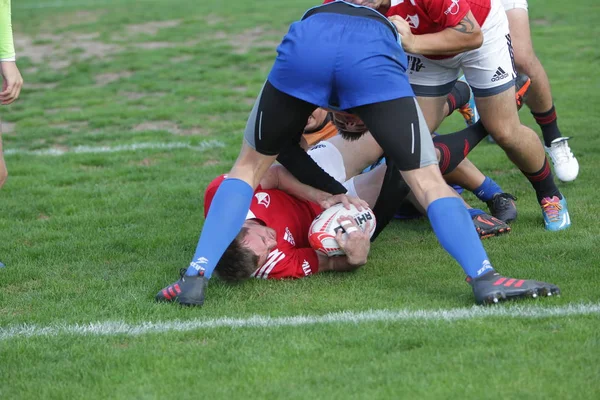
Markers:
point(12, 82)
point(349, 225)
point(346, 201)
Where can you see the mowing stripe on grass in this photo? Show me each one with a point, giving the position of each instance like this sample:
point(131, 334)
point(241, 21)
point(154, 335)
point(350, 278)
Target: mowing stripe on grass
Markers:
point(110, 328)
point(75, 3)
point(206, 145)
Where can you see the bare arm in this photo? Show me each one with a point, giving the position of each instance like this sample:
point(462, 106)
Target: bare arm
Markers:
point(277, 177)
point(463, 37)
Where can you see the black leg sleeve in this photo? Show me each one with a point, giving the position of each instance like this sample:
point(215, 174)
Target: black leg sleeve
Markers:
point(306, 170)
point(393, 191)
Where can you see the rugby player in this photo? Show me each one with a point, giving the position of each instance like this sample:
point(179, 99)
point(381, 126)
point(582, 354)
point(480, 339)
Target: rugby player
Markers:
point(273, 242)
point(11, 77)
point(539, 99)
point(441, 37)
point(347, 57)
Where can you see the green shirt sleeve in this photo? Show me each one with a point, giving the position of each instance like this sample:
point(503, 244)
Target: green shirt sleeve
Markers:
point(7, 47)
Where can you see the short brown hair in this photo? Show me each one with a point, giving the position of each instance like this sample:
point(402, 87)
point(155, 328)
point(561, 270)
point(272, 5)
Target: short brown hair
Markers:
point(238, 262)
point(340, 120)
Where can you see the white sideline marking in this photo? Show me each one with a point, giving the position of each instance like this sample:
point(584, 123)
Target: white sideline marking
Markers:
point(206, 145)
point(111, 328)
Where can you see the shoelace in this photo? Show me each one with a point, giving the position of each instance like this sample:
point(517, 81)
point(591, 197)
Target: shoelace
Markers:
point(561, 152)
point(466, 111)
point(552, 209)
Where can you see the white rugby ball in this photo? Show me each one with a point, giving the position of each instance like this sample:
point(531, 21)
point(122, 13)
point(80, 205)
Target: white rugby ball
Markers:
point(324, 228)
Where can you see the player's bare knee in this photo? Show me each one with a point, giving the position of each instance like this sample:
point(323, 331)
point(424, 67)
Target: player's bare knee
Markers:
point(504, 136)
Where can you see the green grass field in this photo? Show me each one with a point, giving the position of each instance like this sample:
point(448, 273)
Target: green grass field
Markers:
point(130, 108)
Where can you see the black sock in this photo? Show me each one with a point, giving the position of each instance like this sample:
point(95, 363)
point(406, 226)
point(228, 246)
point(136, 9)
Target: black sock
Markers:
point(458, 97)
point(454, 147)
point(543, 182)
point(547, 122)
point(393, 191)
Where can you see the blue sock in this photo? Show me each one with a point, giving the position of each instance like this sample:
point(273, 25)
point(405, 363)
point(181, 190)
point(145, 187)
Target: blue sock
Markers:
point(473, 212)
point(225, 218)
point(457, 235)
point(487, 190)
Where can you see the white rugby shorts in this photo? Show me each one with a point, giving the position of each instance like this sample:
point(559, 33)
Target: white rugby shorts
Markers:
point(328, 157)
point(489, 70)
point(512, 4)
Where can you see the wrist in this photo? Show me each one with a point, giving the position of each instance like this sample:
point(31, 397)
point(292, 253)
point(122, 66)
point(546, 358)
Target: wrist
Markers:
point(356, 262)
point(415, 44)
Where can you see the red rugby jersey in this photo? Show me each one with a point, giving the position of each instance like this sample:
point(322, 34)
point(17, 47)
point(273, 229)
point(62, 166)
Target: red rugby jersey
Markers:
point(432, 16)
point(290, 218)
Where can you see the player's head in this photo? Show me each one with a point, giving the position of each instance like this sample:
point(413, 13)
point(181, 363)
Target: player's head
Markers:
point(316, 121)
point(248, 251)
point(350, 126)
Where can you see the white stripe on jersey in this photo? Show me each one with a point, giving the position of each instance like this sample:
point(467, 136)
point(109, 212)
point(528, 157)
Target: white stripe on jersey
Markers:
point(273, 258)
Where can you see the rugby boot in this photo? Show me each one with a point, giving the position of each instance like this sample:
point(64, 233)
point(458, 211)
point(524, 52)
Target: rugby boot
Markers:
point(469, 110)
point(522, 85)
point(492, 288)
point(488, 226)
point(188, 290)
point(556, 214)
point(503, 207)
point(566, 166)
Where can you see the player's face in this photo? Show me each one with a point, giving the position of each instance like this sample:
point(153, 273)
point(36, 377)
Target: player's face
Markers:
point(260, 239)
point(315, 120)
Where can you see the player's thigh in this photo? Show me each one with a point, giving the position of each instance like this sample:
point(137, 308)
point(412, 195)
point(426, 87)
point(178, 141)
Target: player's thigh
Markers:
point(400, 129)
point(432, 81)
point(276, 119)
point(357, 154)
point(433, 110)
point(518, 20)
point(499, 113)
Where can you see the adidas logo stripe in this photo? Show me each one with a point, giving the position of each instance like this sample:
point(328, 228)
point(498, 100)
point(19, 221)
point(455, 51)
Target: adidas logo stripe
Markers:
point(499, 75)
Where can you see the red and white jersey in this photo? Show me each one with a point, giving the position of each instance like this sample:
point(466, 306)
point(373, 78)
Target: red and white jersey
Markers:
point(431, 16)
point(290, 218)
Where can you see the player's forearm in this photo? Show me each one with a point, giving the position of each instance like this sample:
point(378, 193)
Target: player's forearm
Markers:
point(307, 171)
point(7, 48)
point(289, 184)
point(338, 263)
point(463, 37)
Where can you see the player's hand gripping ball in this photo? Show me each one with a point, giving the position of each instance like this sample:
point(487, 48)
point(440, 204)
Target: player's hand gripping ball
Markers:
point(324, 228)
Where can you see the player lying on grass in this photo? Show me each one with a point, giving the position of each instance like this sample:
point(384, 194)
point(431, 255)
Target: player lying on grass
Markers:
point(347, 57)
point(273, 242)
point(9, 73)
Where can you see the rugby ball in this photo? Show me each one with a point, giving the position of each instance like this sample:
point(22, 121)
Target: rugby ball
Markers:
point(325, 226)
